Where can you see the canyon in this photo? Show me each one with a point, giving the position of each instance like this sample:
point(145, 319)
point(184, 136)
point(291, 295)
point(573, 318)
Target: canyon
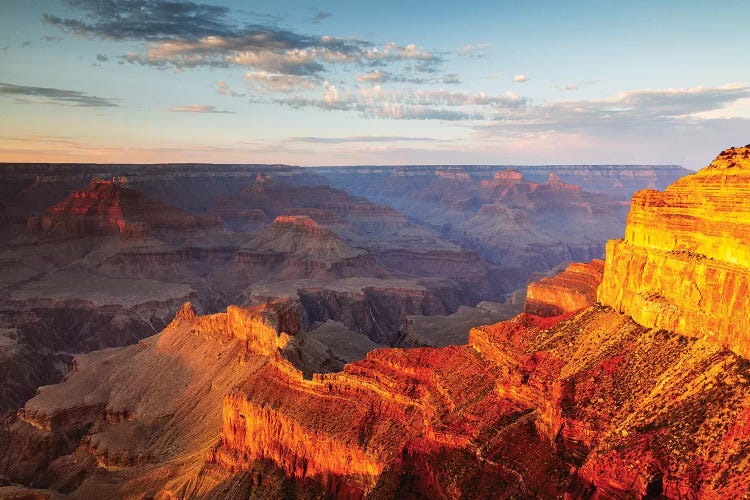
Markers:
point(96, 256)
point(539, 216)
point(313, 343)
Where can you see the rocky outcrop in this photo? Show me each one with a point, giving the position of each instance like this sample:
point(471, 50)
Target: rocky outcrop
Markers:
point(588, 404)
point(684, 264)
point(554, 183)
point(573, 289)
point(263, 329)
point(295, 246)
point(148, 402)
point(106, 207)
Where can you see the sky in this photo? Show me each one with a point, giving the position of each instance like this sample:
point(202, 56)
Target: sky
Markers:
point(373, 83)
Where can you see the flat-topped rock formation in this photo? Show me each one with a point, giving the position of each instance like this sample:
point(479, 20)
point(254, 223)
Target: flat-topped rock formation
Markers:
point(684, 264)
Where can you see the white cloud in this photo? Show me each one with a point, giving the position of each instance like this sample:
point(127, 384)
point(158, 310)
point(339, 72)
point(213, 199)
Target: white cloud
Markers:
point(373, 76)
point(276, 82)
point(520, 78)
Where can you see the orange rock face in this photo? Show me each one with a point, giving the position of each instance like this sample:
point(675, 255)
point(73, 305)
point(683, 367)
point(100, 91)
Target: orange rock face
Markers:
point(571, 290)
point(586, 404)
point(397, 414)
point(684, 264)
point(263, 328)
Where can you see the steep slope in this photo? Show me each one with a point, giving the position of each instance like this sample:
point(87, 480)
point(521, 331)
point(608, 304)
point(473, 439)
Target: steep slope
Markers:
point(684, 264)
point(615, 409)
point(148, 404)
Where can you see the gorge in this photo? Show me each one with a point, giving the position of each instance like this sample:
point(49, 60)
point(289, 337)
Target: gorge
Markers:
point(637, 389)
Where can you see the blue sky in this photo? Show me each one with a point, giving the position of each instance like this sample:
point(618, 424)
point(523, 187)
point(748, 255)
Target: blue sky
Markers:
point(336, 82)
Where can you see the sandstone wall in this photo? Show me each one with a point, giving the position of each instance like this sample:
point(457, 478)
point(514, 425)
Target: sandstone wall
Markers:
point(684, 264)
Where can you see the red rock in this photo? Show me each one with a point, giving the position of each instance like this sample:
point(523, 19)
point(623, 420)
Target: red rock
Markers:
point(571, 290)
point(105, 207)
point(588, 404)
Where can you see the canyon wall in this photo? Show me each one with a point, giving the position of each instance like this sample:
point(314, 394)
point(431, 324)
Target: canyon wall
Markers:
point(684, 264)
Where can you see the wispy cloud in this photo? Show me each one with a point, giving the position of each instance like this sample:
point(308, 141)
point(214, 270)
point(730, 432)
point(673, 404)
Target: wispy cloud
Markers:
point(278, 82)
point(510, 113)
point(476, 50)
point(57, 96)
point(198, 108)
point(378, 76)
point(624, 113)
point(145, 19)
point(578, 85)
point(451, 79)
point(520, 78)
point(186, 35)
point(362, 139)
point(408, 104)
point(43, 139)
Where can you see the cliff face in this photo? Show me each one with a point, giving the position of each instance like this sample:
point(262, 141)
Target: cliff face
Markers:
point(591, 404)
point(573, 289)
point(684, 264)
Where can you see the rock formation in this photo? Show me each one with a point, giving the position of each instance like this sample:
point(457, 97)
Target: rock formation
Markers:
point(684, 264)
point(105, 207)
point(573, 289)
point(589, 403)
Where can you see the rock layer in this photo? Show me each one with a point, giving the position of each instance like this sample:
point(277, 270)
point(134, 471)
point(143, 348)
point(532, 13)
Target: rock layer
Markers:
point(684, 264)
point(571, 290)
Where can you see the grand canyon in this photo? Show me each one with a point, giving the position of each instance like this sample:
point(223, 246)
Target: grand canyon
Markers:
point(292, 249)
point(200, 331)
